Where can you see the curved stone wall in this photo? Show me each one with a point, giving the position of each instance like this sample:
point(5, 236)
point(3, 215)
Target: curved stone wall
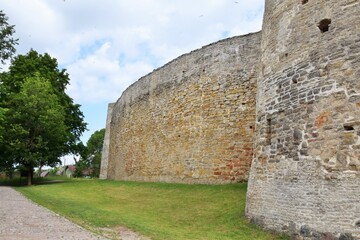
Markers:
point(305, 176)
point(190, 121)
point(193, 120)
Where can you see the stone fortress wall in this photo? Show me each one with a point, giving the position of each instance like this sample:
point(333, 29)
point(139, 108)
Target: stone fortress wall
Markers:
point(195, 120)
point(106, 145)
point(191, 120)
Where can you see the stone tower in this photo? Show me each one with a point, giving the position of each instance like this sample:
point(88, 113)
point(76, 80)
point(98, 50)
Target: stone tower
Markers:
point(306, 169)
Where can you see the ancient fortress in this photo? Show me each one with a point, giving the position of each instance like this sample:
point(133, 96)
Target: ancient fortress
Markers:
point(279, 108)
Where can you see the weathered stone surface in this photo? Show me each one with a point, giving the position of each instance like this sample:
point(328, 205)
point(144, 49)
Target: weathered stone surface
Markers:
point(308, 171)
point(193, 120)
point(190, 121)
point(106, 145)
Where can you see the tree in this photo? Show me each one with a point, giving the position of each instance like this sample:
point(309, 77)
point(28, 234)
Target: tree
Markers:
point(7, 49)
point(94, 149)
point(43, 67)
point(28, 65)
point(7, 42)
point(5, 166)
point(91, 157)
point(36, 129)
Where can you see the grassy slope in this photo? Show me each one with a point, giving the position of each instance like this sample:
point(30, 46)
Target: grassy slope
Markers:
point(157, 210)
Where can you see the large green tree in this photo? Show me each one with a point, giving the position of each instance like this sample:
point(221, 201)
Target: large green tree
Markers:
point(7, 50)
point(7, 41)
point(45, 68)
point(5, 164)
point(33, 63)
point(36, 129)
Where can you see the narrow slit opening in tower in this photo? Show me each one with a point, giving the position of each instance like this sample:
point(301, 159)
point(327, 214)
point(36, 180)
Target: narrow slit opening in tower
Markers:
point(357, 224)
point(304, 1)
point(268, 131)
point(324, 24)
point(348, 128)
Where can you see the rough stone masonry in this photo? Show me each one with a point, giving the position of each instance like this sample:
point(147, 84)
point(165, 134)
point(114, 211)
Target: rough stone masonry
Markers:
point(189, 121)
point(285, 101)
point(305, 175)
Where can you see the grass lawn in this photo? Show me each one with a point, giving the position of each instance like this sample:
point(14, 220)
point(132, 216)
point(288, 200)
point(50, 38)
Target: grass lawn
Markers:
point(156, 210)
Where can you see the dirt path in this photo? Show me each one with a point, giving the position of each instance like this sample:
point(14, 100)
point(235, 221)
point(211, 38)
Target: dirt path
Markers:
point(22, 219)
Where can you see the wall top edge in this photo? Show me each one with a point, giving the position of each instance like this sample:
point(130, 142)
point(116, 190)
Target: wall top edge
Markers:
point(203, 48)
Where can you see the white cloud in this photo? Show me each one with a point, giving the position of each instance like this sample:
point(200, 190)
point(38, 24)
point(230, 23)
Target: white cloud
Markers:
point(107, 45)
point(145, 32)
point(100, 77)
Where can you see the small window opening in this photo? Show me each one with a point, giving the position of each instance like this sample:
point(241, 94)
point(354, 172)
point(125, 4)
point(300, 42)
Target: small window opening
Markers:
point(348, 128)
point(357, 223)
point(304, 1)
point(251, 127)
point(324, 25)
point(286, 54)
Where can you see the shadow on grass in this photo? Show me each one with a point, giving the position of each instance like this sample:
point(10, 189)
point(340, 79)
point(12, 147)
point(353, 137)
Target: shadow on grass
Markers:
point(22, 182)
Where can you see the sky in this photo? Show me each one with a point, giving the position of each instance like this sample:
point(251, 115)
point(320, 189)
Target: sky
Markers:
point(106, 45)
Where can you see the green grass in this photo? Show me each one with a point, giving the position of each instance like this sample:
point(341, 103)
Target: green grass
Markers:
point(157, 210)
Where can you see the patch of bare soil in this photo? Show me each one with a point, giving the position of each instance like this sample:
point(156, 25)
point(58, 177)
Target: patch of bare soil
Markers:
point(121, 233)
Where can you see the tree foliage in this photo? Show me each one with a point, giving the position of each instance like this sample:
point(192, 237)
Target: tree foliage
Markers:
point(42, 121)
point(36, 125)
point(94, 148)
point(91, 157)
point(95, 143)
point(7, 42)
point(29, 65)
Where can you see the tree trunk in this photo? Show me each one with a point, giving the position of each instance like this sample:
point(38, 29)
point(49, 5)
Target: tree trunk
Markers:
point(30, 176)
point(39, 171)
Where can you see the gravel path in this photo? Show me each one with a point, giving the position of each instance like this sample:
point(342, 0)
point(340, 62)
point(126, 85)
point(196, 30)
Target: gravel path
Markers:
point(22, 219)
